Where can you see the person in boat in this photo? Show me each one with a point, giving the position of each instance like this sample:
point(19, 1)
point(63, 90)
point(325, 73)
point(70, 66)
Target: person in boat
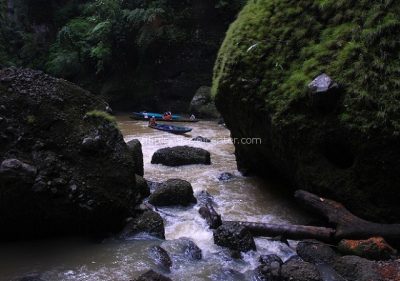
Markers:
point(167, 116)
point(152, 121)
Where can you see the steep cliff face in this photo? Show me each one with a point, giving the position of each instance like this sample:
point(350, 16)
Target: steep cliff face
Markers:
point(64, 166)
point(346, 147)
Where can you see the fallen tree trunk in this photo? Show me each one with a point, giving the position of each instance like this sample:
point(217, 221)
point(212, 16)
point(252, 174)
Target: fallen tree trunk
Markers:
point(295, 232)
point(347, 224)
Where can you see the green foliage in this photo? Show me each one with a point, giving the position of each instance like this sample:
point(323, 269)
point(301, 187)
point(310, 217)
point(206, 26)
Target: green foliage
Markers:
point(285, 44)
point(102, 115)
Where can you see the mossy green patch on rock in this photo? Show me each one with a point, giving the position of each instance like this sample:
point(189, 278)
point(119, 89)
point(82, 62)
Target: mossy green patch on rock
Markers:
point(270, 55)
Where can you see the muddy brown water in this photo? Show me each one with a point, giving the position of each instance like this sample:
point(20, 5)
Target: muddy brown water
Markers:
point(241, 198)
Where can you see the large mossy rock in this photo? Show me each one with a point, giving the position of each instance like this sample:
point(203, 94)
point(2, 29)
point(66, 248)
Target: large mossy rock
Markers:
point(64, 166)
point(339, 136)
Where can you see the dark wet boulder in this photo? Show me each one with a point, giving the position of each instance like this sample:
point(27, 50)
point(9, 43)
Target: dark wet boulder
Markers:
point(316, 252)
point(299, 271)
point(324, 93)
point(181, 155)
point(135, 148)
point(234, 236)
point(270, 268)
point(151, 275)
point(225, 176)
point(73, 167)
point(148, 222)
point(142, 186)
point(375, 248)
point(161, 257)
point(201, 139)
point(173, 192)
point(183, 249)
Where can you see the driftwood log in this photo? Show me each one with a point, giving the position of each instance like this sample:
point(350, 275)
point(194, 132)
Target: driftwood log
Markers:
point(346, 224)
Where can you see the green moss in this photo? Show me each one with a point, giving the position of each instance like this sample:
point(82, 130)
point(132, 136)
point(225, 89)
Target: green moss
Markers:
point(355, 42)
point(102, 115)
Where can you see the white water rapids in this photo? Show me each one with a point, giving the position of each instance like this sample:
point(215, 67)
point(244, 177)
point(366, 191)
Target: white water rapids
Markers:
point(247, 199)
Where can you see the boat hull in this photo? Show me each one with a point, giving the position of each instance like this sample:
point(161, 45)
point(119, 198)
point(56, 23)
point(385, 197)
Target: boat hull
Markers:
point(171, 129)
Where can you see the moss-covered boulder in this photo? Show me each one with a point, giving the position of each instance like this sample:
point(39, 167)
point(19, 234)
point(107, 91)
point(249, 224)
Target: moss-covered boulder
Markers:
point(64, 166)
point(347, 149)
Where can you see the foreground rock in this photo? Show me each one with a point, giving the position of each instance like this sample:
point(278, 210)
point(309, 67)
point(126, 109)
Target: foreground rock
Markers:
point(142, 186)
point(152, 276)
point(181, 155)
point(173, 192)
point(349, 148)
point(148, 222)
point(64, 166)
point(234, 237)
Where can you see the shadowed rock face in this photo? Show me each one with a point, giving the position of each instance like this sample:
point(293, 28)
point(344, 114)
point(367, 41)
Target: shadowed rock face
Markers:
point(62, 171)
point(323, 127)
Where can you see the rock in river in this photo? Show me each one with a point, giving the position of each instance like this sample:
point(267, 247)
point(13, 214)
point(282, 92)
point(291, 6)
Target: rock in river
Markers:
point(181, 155)
point(149, 222)
point(234, 237)
point(64, 166)
point(173, 192)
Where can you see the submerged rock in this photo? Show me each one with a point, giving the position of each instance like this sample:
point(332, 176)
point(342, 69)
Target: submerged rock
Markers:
point(225, 176)
point(152, 276)
point(201, 139)
point(161, 257)
point(65, 168)
point(148, 222)
point(234, 237)
point(181, 155)
point(173, 192)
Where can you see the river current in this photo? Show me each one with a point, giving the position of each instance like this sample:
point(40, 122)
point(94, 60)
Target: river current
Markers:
point(240, 198)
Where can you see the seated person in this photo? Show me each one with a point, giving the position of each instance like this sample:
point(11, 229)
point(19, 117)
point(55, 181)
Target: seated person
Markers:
point(152, 121)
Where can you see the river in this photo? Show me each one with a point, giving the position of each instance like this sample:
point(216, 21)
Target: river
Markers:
point(241, 198)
